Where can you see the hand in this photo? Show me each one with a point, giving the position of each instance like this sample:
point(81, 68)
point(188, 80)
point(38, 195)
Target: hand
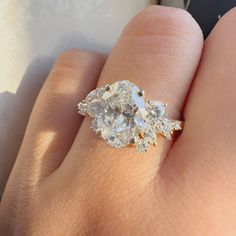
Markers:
point(67, 181)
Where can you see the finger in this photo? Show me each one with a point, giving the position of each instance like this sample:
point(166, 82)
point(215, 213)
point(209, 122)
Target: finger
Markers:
point(152, 52)
point(207, 146)
point(54, 121)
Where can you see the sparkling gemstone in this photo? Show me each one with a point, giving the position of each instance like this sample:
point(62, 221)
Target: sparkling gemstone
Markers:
point(176, 125)
point(95, 94)
point(142, 145)
point(149, 134)
point(83, 108)
point(96, 107)
point(157, 109)
point(123, 110)
point(164, 126)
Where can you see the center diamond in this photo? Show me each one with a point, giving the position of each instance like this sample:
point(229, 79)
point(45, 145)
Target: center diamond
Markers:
point(124, 113)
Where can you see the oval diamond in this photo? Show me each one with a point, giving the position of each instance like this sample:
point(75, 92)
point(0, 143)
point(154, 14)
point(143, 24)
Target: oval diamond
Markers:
point(124, 111)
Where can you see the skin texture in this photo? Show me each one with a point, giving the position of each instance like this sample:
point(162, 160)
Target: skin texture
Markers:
point(66, 181)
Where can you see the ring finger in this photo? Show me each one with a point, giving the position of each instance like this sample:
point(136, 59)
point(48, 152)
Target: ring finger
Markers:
point(159, 51)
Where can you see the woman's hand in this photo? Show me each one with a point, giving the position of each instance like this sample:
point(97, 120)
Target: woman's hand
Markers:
point(67, 181)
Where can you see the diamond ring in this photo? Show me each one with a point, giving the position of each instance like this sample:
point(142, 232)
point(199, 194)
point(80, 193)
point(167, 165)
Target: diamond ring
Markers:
point(122, 117)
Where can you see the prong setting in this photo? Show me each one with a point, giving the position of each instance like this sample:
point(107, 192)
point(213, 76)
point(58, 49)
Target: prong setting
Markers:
point(140, 93)
point(107, 88)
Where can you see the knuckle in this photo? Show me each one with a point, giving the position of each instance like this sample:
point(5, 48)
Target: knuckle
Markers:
point(70, 66)
point(62, 78)
point(73, 57)
point(165, 21)
point(62, 72)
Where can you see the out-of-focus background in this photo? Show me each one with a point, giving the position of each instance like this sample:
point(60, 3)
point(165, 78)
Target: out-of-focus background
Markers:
point(32, 34)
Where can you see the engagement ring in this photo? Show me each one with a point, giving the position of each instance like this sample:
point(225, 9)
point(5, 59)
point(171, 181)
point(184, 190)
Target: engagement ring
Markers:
point(122, 117)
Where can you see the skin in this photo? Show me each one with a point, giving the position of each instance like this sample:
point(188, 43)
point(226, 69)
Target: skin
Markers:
point(67, 181)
